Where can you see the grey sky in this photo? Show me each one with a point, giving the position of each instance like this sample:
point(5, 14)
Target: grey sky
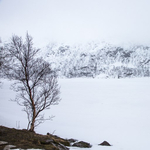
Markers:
point(77, 20)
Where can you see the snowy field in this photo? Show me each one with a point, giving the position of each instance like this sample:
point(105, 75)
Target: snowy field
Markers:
point(92, 110)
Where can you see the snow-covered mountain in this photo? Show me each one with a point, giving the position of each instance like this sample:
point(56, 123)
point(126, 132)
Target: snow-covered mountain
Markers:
point(98, 59)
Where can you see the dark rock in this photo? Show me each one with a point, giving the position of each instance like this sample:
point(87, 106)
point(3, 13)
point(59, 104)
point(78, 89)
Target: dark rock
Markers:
point(62, 147)
point(49, 141)
point(8, 147)
point(48, 133)
point(72, 140)
point(82, 144)
point(105, 143)
point(62, 141)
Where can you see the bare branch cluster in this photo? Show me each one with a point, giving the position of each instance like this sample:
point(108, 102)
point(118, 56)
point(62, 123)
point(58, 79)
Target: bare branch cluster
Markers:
point(36, 83)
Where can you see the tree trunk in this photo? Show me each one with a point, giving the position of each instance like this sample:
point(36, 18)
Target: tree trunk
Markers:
point(33, 121)
point(32, 127)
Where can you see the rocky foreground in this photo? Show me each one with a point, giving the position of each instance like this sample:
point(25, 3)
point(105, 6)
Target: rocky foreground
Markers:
point(24, 139)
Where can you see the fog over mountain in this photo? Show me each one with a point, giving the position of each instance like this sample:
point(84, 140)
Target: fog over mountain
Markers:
point(122, 23)
point(74, 21)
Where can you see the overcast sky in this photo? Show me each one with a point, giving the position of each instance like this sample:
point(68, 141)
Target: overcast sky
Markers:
point(76, 20)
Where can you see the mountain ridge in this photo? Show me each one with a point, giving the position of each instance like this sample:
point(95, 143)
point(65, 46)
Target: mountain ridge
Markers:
point(98, 60)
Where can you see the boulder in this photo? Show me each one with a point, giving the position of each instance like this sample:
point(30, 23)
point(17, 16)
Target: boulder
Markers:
point(62, 147)
point(3, 142)
point(82, 144)
point(72, 140)
point(8, 147)
point(105, 143)
point(46, 142)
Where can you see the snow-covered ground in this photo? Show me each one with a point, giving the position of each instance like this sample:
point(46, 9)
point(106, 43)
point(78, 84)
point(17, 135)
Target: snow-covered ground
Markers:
point(93, 110)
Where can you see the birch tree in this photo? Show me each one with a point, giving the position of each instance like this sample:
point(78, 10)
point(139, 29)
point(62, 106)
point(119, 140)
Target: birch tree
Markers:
point(35, 83)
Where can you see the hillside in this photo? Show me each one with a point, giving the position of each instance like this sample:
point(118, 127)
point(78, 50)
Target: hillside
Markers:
point(25, 139)
point(98, 59)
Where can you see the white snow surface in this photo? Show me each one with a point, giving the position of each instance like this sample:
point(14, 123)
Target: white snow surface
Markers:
point(92, 110)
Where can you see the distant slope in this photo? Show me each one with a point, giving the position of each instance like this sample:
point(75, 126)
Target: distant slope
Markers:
point(98, 60)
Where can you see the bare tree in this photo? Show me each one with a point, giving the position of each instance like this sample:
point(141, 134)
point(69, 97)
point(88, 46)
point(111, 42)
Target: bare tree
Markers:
point(35, 83)
point(2, 61)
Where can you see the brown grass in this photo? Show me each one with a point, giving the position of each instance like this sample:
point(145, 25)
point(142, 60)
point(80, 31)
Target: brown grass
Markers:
point(26, 139)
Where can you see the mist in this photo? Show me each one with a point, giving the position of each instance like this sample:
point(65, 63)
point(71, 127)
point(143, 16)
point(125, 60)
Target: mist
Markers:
point(72, 21)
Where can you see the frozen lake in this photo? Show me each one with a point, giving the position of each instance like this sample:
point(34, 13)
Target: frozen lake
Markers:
point(92, 110)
